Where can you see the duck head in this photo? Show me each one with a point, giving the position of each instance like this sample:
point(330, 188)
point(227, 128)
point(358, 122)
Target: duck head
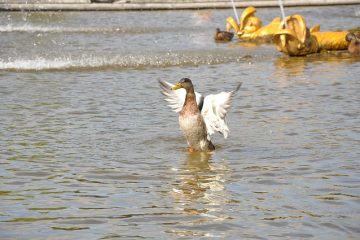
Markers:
point(184, 83)
point(354, 43)
point(352, 36)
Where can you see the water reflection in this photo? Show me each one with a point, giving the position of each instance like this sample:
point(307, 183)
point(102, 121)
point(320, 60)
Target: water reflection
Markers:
point(293, 66)
point(200, 193)
point(193, 178)
point(243, 44)
point(297, 68)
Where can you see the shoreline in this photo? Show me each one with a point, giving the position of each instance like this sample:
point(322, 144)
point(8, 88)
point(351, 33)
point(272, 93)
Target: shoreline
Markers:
point(86, 5)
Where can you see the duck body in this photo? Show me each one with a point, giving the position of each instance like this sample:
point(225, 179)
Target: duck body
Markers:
point(354, 48)
point(223, 36)
point(193, 126)
point(199, 117)
point(354, 43)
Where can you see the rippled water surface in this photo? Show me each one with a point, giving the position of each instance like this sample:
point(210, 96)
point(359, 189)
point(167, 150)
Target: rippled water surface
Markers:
point(89, 149)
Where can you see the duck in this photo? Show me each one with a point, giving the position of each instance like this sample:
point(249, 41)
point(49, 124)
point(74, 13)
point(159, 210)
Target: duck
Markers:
point(354, 43)
point(223, 36)
point(199, 116)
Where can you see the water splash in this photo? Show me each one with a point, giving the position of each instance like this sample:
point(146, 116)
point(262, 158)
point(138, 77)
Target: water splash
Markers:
point(169, 59)
point(283, 12)
point(24, 28)
point(235, 12)
point(43, 29)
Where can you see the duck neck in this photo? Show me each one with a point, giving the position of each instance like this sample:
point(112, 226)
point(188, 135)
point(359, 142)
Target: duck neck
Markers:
point(190, 95)
point(190, 104)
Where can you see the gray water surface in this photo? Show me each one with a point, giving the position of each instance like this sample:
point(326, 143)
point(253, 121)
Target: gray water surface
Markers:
point(89, 149)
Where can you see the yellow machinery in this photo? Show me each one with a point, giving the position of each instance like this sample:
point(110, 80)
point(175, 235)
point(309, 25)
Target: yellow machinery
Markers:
point(298, 40)
point(250, 27)
point(290, 36)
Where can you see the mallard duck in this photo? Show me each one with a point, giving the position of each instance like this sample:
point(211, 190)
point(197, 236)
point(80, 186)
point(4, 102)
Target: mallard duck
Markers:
point(354, 43)
point(223, 36)
point(199, 117)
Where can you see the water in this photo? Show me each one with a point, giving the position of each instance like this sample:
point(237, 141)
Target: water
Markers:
point(89, 149)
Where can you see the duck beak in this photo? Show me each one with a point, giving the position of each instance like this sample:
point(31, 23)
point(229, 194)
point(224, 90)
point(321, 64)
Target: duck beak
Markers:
point(177, 86)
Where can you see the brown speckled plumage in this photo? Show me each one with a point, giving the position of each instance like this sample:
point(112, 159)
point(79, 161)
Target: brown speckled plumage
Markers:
point(223, 36)
point(354, 43)
point(192, 123)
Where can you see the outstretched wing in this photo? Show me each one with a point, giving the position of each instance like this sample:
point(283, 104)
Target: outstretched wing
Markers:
point(176, 98)
point(214, 112)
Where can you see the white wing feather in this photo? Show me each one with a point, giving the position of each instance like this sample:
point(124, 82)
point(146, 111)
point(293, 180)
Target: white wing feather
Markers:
point(176, 98)
point(214, 112)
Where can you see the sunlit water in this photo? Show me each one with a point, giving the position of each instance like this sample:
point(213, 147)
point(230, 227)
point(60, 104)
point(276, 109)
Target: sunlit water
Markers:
point(89, 149)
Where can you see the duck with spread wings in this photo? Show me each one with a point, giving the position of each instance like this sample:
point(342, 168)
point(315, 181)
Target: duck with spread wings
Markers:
point(199, 116)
